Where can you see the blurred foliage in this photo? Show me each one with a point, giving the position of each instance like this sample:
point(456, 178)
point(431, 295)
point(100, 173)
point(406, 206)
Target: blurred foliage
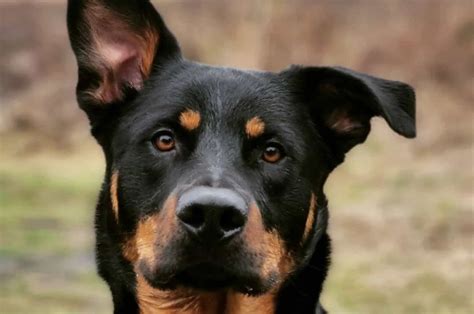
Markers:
point(401, 211)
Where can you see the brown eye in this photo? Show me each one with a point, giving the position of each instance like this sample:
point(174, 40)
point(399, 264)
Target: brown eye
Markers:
point(164, 141)
point(272, 153)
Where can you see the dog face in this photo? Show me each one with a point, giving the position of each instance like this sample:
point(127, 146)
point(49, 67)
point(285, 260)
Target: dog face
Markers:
point(220, 175)
point(215, 175)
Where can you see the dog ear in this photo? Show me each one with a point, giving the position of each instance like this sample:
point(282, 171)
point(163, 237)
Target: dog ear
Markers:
point(343, 101)
point(117, 44)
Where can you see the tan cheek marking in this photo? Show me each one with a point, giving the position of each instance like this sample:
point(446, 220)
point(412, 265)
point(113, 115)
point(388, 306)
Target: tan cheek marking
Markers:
point(155, 232)
point(114, 194)
point(269, 245)
point(129, 250)
point(310, 218)
point(254, 127)
point(190, 119)
point(145, 239)
point(152, 234)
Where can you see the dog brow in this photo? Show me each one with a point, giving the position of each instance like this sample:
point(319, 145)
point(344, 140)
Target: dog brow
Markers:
point(254, 127)
point(190, 119)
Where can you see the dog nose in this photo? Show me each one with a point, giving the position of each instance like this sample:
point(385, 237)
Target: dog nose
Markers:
point(212, 214)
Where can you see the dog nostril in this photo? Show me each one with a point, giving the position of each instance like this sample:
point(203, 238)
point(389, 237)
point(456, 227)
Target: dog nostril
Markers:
point(212, 213)
point(193, 216)
point(231, 219)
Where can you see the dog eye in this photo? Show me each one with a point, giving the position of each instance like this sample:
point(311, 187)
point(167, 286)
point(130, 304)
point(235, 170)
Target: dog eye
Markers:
point(164, 141)
point(272, 153)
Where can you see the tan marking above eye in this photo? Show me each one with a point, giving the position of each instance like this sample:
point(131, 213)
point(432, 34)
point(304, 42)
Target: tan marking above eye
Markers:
point(254, 127)
point(190, 119)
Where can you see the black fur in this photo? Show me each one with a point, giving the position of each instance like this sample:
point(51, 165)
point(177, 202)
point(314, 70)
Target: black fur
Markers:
point(314, 114)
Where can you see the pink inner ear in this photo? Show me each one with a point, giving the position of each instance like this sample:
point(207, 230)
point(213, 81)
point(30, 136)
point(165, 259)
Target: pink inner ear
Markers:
point(121, 54)
point(120, 61)
point(341, 121)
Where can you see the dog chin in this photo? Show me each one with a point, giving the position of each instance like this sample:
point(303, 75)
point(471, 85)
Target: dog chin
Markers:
point(211, 278)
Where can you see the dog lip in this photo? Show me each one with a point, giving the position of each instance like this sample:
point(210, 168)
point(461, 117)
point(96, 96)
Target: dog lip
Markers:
point(207, 270)
point(209, 276)
point(206, 276)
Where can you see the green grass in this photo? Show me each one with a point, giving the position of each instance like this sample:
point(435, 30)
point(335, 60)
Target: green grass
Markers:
point(46, 238)
point(359, 288)
point(40, 210)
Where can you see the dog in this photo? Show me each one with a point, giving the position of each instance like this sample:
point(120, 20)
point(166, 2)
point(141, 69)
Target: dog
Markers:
point(213, 200)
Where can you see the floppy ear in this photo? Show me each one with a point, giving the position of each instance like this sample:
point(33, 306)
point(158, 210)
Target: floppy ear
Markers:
point(116, 44)
point(343, 101)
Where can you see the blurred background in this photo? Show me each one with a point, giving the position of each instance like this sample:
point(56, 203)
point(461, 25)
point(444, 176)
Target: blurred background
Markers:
point(401, 210)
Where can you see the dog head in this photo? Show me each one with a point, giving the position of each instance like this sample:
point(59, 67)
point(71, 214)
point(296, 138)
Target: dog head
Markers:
point(215, 175)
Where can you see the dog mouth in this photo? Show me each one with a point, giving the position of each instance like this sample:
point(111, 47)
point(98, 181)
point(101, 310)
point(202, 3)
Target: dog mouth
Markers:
point(212, 277)
point(232, 267)
point(206, 276)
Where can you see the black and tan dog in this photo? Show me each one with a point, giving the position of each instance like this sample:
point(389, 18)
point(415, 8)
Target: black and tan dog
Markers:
point(213, 194)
